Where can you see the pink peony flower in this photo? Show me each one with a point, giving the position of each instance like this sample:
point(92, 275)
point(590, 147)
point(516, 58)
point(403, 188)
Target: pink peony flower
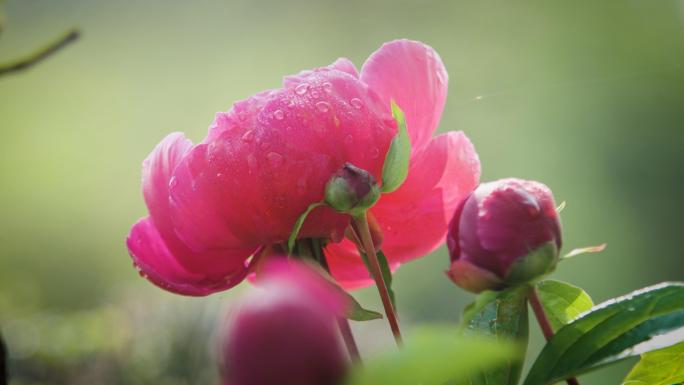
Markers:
point(284, 331)
point(214, 204)
point(507, 232)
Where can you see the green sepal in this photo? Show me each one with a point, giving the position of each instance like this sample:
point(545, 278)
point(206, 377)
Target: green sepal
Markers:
point(536, 264)
point(395, 168)
point(298, 225)
point(585, 250)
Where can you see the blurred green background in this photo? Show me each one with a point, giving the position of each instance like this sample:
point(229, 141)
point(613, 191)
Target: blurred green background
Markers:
point(586, 96)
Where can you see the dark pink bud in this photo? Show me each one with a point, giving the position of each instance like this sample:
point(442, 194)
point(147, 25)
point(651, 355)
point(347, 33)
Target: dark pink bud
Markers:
point(284, 332)
point(505, 233)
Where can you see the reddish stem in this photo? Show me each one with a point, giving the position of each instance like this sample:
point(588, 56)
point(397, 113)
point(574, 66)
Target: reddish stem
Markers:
point(544, 323)
point(342, 323)
point(349, 341)
point(364, 232)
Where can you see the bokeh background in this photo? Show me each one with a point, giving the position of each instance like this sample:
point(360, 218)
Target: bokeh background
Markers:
point(587, 96)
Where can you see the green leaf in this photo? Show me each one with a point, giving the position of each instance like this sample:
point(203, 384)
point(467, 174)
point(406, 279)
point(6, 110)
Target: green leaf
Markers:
point(386, 272)
point(387, 276)
point(562, 302)
point(395, 168)
point(642, 321)
point(354, 311)
point(298, 225)
point(502, 315)
point(660, 367)
point(432, 356)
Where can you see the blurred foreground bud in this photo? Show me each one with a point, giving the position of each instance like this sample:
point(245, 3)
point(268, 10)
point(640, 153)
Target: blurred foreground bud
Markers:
point(505, 233)
point(284, 332)
point(351, 190)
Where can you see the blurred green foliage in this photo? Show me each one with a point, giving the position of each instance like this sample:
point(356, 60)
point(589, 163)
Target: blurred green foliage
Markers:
point(586, 96)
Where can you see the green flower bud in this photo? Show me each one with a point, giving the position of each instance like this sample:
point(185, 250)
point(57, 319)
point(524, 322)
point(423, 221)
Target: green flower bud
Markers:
point(351, 190)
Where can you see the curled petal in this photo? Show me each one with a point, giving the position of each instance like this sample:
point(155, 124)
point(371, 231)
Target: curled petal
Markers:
point(345, 65)
point(412, 74)
point(156, 262)
point(156, 174)
point(159, 232)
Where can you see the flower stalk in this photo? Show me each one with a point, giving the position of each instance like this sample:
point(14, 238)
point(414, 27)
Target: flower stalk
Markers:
point(361, 223)
point(544, 323)
point(342, 323)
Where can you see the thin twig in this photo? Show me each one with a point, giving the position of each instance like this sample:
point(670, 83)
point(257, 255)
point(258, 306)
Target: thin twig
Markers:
point(40, 55)
point(4, 376)
point(544, 323)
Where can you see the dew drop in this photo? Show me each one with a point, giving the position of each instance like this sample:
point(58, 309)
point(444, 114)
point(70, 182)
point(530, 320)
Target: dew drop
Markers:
point(440, 77)
point(314, 94)
point(173, 182)
point(301, 89)
point(274, 159)
point(357, 103)
point(375, 153)
point(327, 87)
point(279, 115)
point(219, 175)
point(349, 139)
point(252, 163)
point(323, 107)
point(248, 136)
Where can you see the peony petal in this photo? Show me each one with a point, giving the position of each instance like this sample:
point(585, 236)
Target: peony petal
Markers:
point(412, 74)
point(157, 263)
point(158, 168)
point(414, 219)
point(251, 183)
point(345, 65)
point(515, 216)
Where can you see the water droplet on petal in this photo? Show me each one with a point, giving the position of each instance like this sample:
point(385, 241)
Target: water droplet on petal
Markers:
point(173, 182)
point(375, 153)
point(301, 89)
point(327, 87)
point(349, 139)
point(248, 136)
point(274, 159)
point(219, 175)
point(323, 107)
point(356, 103)
point(440, 77)
point(314, 94)
point(252, 163)
point(279, 115)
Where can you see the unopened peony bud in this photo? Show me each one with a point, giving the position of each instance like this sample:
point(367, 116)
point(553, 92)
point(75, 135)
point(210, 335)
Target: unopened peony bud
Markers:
point(505, 233)
point(284, 333)
point(351, 190)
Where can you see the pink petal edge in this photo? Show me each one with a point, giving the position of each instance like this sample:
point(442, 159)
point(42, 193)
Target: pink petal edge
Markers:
point(412, 74)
